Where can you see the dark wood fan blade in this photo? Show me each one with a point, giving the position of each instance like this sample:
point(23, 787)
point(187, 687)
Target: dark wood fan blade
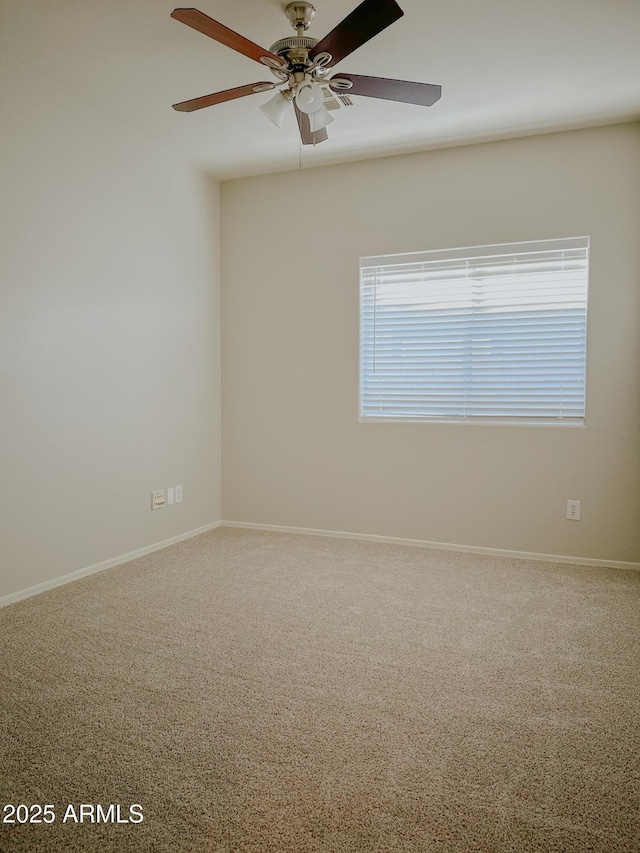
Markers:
point(366, 21)
point(204, 24)
point(219, 97)
point(424, 94)
point(306, 134)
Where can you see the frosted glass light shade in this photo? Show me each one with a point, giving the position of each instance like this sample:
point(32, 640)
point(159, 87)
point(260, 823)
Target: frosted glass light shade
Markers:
point(276, 108)
point(321, 118)
point(309, 98)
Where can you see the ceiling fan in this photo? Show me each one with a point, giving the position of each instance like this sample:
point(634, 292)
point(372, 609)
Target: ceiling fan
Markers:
point(302, 65)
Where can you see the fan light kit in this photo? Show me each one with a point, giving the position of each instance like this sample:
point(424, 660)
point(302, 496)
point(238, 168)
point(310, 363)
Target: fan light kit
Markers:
point(301, 66)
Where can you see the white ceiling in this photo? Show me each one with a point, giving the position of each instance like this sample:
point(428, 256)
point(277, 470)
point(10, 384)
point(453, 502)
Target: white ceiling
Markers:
point(506, 67)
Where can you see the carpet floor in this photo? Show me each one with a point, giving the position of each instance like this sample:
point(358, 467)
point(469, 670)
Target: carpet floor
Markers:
point(257, 692)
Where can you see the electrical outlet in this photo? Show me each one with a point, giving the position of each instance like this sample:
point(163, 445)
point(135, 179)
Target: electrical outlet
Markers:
point(178, 494)
point(157, 499)
point(573, 510)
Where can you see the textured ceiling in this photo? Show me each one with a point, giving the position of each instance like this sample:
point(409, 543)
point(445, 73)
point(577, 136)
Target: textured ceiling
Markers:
point(506, 67)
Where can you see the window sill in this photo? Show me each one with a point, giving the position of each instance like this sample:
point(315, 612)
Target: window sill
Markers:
point(528, 422)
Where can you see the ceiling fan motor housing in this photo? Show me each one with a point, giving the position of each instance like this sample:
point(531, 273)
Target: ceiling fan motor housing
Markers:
point(295, 50)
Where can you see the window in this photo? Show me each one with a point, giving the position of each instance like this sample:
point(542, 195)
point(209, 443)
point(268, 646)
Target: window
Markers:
point(482, 334)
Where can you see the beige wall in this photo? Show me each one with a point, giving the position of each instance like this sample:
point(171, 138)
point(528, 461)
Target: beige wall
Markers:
point(294, 452)
point(109, 337)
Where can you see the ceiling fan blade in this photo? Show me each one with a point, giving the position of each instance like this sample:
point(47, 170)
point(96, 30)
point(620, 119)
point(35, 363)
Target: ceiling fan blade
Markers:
point(219, 97)
point(204, 24)
point(306, 134)
point(366, 21)
point(424, 94)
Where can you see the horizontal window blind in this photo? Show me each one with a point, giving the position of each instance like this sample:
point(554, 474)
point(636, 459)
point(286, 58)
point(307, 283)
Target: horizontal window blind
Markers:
point(490, 332)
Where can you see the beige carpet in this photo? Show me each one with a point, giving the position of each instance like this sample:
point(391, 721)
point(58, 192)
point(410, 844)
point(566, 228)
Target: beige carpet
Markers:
point(268, 692)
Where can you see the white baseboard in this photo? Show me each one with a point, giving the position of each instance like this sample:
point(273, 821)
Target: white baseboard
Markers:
point(308, 531)
point(107, 564)
point(440, 546)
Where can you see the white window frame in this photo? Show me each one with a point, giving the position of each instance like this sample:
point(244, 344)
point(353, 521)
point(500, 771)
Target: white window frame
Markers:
point(550, 273)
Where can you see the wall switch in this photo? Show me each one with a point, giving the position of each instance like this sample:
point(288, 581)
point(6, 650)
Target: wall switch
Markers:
point(178, 494)
point(157, 499)
point(170, 496)
point(573, 510)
